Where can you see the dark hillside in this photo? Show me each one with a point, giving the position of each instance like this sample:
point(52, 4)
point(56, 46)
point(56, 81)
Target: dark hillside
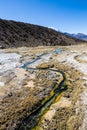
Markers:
point(17, 34)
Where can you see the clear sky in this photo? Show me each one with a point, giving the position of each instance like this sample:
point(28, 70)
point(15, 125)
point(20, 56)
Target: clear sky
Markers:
point(64, 15)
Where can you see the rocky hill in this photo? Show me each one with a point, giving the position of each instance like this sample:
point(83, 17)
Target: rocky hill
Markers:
point(17, 34)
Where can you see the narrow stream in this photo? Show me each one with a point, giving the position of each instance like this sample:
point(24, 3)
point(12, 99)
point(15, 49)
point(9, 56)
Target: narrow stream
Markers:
point(32, 120)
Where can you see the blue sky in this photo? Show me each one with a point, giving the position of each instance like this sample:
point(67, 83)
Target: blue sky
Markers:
point(64, 15)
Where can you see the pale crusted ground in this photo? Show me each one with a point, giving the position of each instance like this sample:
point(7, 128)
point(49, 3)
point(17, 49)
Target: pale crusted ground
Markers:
point(63, 103)
point(13, 78)
point(80, 64)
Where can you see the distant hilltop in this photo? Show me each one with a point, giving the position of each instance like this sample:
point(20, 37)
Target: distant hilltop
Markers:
point(78, 35)
point(19, 34)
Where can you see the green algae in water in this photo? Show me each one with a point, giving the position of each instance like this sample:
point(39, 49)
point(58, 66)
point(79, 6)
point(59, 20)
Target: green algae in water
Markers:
point(31, 122)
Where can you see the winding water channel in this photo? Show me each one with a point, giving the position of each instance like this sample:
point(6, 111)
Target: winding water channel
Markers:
point(31, 121)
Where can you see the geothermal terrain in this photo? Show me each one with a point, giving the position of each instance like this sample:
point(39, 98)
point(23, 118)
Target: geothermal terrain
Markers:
point(43, 88)
point(43, 79)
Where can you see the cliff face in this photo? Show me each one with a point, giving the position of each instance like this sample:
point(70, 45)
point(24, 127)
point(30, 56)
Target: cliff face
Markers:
point(17, 34)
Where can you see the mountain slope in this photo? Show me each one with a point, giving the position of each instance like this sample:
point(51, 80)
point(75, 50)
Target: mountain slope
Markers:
point(78, 35)
point(17, 34)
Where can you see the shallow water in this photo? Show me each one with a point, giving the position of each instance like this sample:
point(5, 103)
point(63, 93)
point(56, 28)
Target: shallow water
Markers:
point(32, 120)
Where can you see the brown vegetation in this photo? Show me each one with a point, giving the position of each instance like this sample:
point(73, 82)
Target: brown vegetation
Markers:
point(17, 34)
point(66, 117)
point(16, 105)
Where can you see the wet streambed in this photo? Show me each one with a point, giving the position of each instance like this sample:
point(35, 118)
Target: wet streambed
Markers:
point(31, 121)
